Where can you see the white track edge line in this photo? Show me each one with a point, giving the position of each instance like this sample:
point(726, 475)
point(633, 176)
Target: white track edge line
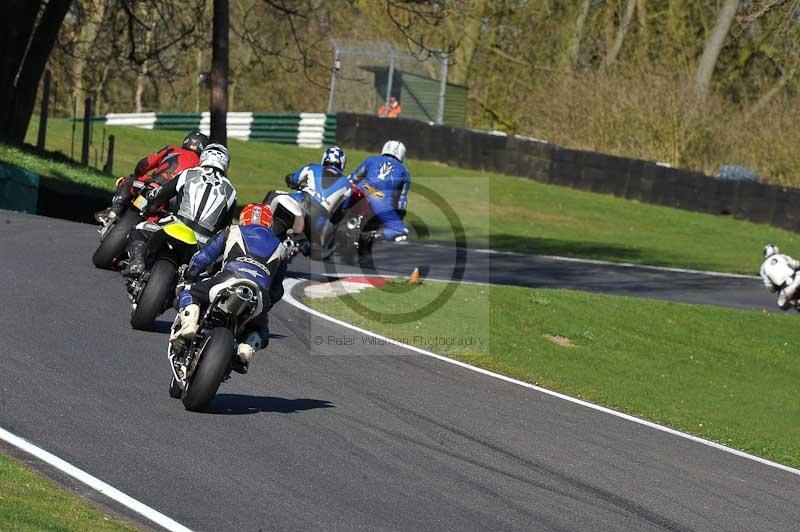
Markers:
point(289, 298)
point(93, 482)
point(600, 262)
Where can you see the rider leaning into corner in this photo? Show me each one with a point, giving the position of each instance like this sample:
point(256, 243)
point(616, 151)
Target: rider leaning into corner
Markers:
point(384, 181)
point(779, 275)
point(205, 200)
point(250, 251)
point(160, 167)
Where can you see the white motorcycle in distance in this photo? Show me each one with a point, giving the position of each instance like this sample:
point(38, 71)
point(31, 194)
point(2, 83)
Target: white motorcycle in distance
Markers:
point(326, 230)
point(199, 366)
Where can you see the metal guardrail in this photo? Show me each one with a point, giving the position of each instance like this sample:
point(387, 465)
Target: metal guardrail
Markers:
point(310, 130)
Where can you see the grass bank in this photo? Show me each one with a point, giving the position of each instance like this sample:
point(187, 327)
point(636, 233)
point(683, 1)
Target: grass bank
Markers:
point(728, 375)
point(499, 212)
point(28, 501)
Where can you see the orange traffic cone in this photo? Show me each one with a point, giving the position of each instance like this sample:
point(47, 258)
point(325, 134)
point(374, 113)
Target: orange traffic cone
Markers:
point(414, 279)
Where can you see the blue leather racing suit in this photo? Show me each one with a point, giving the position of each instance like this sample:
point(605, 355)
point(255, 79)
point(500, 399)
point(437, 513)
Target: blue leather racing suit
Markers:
point(385, 181)
point(248, 251)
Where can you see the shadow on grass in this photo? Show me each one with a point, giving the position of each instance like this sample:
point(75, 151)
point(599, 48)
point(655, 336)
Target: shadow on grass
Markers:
point(569, 248)
point(236, 404)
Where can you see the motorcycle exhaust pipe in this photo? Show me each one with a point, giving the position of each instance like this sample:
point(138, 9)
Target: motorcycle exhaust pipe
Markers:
point(237, 301)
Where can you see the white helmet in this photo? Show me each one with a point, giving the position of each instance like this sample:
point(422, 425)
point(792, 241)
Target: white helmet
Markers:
point(770, 250)
point(394, 148)
point(216, 156)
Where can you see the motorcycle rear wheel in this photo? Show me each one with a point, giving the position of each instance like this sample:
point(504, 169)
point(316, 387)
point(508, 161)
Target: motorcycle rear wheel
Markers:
point(159, 286)
point(214, 364)
point(113, 245)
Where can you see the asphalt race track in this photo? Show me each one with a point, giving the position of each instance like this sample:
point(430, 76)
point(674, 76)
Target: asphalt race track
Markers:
point(440, 262)
point(335, 438)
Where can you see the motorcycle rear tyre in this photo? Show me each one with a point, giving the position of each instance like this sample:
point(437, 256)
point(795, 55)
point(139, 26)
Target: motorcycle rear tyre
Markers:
point(212, 367)
point(113, 245)
point(159, 286)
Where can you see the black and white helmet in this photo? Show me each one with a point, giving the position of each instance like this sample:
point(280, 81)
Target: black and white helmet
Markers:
point(770, 250)
point(216, 156)
point(394, 148)
point(334, 156)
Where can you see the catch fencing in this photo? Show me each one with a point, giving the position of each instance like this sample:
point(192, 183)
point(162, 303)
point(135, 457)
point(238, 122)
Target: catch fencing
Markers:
point(311, 130)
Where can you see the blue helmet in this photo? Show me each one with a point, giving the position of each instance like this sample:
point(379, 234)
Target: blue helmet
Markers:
point(334, 156)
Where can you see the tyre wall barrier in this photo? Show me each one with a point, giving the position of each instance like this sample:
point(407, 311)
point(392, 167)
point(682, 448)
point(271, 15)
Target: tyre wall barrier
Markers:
point(18, 188)
point(26, 191)
point(310, 130)
point(645, 181)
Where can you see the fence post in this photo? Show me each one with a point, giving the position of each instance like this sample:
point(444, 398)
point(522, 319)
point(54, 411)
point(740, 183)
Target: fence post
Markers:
point(389, 81)
point(43, 112)
point(334, 75)
point(87, 124)
point(109, 167)
point(442, 90)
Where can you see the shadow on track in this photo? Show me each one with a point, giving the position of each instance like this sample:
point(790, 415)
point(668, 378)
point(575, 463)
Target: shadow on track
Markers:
point(236, 404)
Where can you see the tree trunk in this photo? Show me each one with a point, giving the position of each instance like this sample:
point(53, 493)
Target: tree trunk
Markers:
point(627, 17)
point(219, 73)
point(15, 111)
point(140, 79)
point(770, 94)
point(705, 68)
point(84, 47)
point(470, 34)
point(16, 28)
point(575, 42)
point(643, 48)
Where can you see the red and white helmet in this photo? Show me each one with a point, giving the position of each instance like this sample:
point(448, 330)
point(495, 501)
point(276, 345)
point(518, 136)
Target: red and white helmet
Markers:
point(256, 214)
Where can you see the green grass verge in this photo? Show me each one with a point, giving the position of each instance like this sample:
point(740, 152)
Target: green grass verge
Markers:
point(728, 375)
point(28, 501)
point(499, 212)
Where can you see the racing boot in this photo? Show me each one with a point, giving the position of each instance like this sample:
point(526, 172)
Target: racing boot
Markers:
point(188, 316)
point(245, 351)
point(105, 216)
point(115, 210)
point(136, 265)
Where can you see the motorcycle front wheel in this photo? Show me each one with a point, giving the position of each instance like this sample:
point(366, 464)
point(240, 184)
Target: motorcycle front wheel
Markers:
point(113, 245)
point(159, 287)
point(214, 363)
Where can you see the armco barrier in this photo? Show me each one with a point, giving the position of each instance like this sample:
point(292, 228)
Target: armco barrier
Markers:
point(310, 130)
point(644, 181)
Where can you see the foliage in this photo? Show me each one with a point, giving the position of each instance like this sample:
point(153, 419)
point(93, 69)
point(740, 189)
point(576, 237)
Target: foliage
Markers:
point(611, 76)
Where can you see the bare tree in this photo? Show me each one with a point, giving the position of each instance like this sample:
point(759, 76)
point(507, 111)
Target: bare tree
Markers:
point(577, 36)
point(622, 30)
point(708, 62)
point(28, 30)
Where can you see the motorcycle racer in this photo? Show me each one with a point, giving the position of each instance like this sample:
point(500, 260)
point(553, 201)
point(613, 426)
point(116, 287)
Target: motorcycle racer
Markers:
point(249, 250)
point(324, 182)
point(160, 167)
point(205, 200)
point(385, 181)
point(319, 179)
point(779, 273)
